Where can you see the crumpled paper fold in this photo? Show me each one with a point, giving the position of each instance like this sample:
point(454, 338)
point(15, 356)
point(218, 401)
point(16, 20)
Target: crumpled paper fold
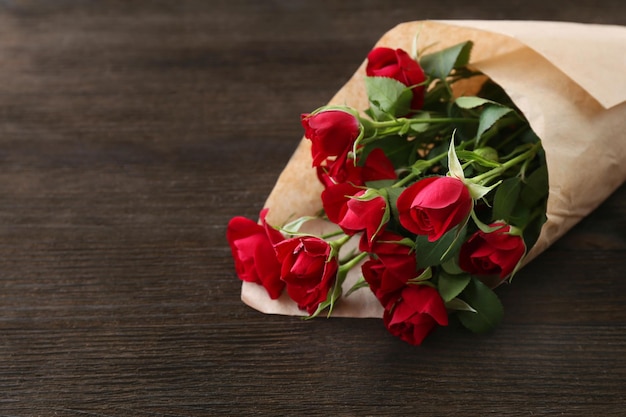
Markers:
point(566, 78)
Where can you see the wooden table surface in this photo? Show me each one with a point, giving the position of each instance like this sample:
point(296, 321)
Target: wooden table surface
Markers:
point(131, 132)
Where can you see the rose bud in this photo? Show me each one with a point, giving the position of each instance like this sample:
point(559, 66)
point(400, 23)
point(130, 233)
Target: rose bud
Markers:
point(375, 167)
point(495, 253)
point(252, 248)
point(364, 212)
point(433, 206)
point(307, 269)
point(418, 311)
point(335, 200)
point(390, 266)
point(378, 167)
point(332, 134)
point(397, 64)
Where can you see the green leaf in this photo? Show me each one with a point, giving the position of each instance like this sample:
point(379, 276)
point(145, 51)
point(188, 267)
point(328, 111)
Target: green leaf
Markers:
point(505, 199)
point(495, 92)
point(491, 113)
point(451, 285)
point(533, 228)
point(535, 187)
point(451, 266)
point(389, 95)
point(424, 276)
point(375, 114)
point(440, 64)
point(459, 305)
point(471, 156)
point(392, 197)
point(520, 216)
point(293, 227)
point(434, 253)
point(471, 102)
point(489, 116)
point(489, 310)
point(418, 127)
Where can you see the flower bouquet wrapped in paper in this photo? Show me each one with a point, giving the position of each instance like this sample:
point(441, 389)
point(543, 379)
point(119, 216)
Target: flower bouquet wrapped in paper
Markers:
point(456, 153)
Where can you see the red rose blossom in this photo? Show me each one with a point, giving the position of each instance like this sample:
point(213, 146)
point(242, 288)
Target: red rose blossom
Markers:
point(418, 311)
point(339, 171)
point(397, 64)
point(364, 215)
point(335, 199)
point(332, 134)
point(378, 167)
point(375, 168)
point(434, 205)
point(344, 183)
point(307, 269)
point(389, 268)
point(252, 248)
point(495, 253)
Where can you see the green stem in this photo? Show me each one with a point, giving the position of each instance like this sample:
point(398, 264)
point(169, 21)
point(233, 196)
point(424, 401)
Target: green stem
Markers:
point(403, 120)
point(332, 234)
point(404, 180)
point(487, 176)
point(337, 244)
point(335, 293)
point(353, 262)
point(426, 164)
point(486, 136)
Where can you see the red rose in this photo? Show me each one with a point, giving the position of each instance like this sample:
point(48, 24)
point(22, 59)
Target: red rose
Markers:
point(434, 205)
point(307, 269)
point(364, 215)
point(342, 183)
point(397, 64)
point(389, 268)
point(335, 200)
point(495, 253)
point(376, 167)
point(417, 312)
point(342, 170)
point(332, 134)
point(252, 248)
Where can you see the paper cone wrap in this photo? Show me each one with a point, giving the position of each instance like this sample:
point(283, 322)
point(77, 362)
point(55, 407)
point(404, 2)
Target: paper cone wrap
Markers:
point(568, 81)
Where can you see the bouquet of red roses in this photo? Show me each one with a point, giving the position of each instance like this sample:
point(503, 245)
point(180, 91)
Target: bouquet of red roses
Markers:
point(440, 191)
point(430, 196)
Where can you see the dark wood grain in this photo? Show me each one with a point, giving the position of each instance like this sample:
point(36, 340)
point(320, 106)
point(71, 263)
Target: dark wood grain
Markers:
point(131, 132)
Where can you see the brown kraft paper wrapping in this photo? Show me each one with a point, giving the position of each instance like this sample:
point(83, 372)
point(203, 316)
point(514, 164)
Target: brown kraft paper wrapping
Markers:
point(566, 78)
